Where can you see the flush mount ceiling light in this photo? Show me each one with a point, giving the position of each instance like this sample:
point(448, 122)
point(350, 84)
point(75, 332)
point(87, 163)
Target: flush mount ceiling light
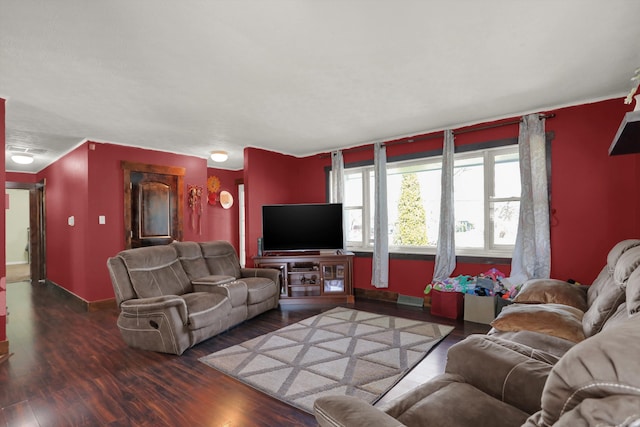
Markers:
point(219, 156)
point(22, 158)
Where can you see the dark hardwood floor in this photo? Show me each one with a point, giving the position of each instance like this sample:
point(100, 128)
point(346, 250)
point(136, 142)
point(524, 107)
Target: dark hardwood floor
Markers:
point(71, 368)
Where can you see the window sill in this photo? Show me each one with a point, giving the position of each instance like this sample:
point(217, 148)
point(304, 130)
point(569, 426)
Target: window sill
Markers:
point(462, 259)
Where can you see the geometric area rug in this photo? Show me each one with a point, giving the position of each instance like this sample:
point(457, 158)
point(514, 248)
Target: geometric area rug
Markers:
point(338, 352)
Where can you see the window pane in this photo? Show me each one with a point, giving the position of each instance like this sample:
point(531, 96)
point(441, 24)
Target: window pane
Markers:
point(353, 189)
point(354, 221)
point(507, 176)
point(505, 222)
point(413, 202)
point(468, 185)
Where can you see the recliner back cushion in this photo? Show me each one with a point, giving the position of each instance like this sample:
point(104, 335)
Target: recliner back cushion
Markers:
point(221, 258)
point(190, 256)
point(606, 275)
point(633, 292)
point(156, 271)
point(604, 365)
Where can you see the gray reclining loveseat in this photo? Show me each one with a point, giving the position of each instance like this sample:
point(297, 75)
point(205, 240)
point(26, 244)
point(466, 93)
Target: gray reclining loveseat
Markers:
point(174, 296)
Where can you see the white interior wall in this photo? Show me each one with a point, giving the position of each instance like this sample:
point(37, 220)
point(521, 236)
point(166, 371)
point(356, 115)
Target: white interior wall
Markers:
point(17, 226)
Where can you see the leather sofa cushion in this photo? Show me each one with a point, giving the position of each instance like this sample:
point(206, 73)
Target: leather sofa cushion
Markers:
point(603, 366)
point(259, 289)
point(206, 308)
point(452, 402)
point(603, 307)
point(540, 291)
point(221, 258)
point(633, 292)
point(557, 320)
point(190, 256)
point(537, 340)
point(606, 274)
point(627, 264)
point(156, 271)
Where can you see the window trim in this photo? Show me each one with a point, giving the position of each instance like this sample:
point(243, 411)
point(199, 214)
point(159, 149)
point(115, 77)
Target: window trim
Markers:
point(469, 255)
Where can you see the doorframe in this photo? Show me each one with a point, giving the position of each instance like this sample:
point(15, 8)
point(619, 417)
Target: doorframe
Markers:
point(129, 167)
point(37, 227)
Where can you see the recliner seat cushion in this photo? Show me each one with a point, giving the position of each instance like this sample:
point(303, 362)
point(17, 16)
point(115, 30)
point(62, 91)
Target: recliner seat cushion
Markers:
point(156, 271)
point(259, 289)
point(205, 308)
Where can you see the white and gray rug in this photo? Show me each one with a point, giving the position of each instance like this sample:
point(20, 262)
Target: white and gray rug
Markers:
point(339, 352)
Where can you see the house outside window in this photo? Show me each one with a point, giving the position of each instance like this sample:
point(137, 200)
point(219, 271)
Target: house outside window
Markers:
point(486, 198)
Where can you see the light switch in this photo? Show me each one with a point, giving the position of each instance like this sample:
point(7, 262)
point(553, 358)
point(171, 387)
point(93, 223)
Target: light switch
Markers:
point(71, 221)
point(102, 219)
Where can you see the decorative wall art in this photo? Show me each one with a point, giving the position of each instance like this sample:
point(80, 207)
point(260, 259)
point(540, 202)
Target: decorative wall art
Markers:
point(213, 186)
point(226, 199)
point(195, 205)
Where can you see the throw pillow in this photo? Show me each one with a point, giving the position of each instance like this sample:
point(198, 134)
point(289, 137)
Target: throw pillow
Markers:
point(558, 320)
point(540, 291)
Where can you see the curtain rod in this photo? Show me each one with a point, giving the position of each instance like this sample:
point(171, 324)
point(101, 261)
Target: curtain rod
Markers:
point(440, 134)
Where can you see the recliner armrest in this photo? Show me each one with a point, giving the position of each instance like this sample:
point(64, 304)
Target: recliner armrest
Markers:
point(349, 411)
point(269, 273)
point(508, 371)
point(139, 306)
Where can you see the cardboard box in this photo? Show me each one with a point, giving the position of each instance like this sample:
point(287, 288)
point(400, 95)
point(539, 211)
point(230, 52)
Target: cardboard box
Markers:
point(479, 309)
point(447, 304)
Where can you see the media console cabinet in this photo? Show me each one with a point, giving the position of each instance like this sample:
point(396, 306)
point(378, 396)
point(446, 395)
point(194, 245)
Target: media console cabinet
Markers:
point(316, 278)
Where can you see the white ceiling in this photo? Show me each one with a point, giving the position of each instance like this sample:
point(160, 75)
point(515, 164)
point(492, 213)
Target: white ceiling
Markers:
point(297, 76)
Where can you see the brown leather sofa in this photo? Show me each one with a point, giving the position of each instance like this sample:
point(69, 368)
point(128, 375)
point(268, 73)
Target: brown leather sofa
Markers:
point(174, 296)
point(531, 377)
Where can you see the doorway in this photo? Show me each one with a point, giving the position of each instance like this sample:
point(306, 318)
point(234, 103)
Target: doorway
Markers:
point(25, 232)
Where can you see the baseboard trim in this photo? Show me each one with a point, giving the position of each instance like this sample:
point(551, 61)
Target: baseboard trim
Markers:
point(388, 296)
point(376, 294)
point(79, 303)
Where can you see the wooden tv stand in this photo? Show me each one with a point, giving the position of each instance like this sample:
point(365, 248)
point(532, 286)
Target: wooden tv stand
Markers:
point(312, 278)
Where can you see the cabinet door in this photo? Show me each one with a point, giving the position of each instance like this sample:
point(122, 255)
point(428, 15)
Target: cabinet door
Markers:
point(333, 277)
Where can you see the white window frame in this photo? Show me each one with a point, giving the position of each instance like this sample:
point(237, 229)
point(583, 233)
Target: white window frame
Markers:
point(490, 249)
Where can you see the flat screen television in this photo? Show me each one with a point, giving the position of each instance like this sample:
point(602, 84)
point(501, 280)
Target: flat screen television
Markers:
point(302, 227)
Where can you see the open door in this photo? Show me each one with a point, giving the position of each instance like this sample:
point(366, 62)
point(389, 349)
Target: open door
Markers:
point(37, 235)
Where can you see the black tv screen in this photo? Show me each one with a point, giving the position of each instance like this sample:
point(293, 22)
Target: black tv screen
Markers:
point(302, 227)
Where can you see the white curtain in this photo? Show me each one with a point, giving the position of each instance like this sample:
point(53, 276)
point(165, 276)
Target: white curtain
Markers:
point(446, 249)
point(532, 253)
point(337, 177)
point(337, 187)
point(380, 273)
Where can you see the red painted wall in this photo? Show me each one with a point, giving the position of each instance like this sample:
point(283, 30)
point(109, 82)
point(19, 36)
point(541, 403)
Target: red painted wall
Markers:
point(87, 183)
point(224, 224)
point(593, 196)
point(269, 178)
point(3, 237)
point(21, 177)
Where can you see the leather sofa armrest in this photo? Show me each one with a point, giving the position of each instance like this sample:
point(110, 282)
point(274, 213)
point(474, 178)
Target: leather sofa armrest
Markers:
point(138, 306)
point(509, 371)
point(349, 411)
point(269, 273)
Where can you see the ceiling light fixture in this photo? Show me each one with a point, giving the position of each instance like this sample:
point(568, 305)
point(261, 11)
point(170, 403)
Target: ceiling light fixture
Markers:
point(22, 158)
point(219, 156)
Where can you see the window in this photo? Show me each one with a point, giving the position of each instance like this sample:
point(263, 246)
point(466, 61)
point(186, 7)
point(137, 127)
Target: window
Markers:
point(486, 200)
